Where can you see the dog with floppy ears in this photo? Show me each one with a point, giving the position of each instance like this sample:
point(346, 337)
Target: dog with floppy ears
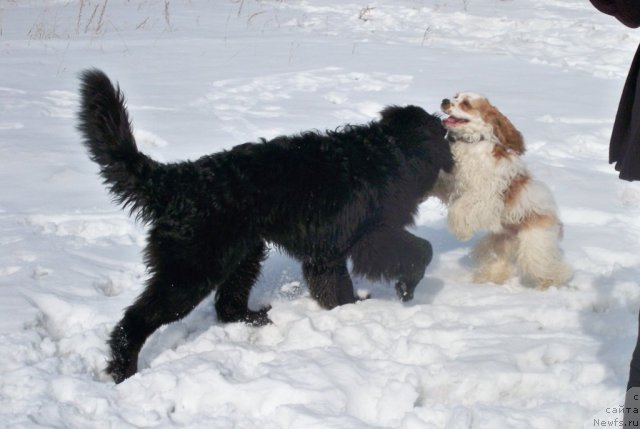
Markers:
point(321, 197)
point(491, 189)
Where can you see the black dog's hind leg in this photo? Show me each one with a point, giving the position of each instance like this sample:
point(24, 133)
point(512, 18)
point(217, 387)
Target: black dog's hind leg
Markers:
point(392, 254)
point(170, 295)
point(232, 296)
point(329, 281)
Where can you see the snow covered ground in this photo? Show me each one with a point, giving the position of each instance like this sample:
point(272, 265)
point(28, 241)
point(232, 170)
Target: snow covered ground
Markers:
point(201, 76)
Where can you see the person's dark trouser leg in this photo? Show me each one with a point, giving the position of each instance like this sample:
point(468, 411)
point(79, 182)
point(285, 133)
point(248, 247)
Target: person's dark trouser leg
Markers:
point(634, 371)
point(632, 399)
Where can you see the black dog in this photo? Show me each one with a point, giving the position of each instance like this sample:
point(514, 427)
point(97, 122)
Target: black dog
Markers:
point(321, 197)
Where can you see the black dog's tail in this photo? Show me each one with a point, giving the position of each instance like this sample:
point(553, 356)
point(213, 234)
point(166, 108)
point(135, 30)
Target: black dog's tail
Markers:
point(105, 126)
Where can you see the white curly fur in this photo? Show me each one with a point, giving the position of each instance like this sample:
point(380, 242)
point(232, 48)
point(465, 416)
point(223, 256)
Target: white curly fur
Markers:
point(492, 190)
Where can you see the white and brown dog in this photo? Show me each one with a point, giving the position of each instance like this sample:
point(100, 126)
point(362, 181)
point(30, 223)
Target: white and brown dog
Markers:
point(491, 189)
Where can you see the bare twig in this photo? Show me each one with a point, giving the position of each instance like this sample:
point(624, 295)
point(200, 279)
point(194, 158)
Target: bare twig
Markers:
point(101, 19)
point(253, 15)
point(365, 13)
point(425, 35)
point(167, 14)
point(79, 16)
point(142, 24)
point(240, 7)
point(93, 15)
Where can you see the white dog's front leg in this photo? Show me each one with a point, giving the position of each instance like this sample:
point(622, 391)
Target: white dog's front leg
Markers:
point(467, 215)
point(459, 223)
point(443, 188)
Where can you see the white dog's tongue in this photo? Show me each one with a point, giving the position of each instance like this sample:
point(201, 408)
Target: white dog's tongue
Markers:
point(453, 121)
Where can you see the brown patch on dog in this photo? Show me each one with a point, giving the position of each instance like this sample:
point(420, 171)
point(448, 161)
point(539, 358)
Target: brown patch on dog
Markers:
point(538, 220)
point(533, 220)
point(512, 193)
point(503, 129)
point(466, 105)
point(500, 152)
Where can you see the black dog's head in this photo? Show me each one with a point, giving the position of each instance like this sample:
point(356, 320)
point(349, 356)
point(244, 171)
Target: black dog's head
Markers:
point(414, 126)
point(412, 118)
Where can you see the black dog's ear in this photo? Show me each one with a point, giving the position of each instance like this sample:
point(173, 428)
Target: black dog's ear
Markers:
point(409, 115)
point(411, 118)
point(388, 113)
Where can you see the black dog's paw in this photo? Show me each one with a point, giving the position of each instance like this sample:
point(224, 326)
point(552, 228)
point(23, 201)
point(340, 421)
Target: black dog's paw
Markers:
point(251, 317)
point(120, 370)
point(258, 318)
point(405, 293)
point(123, 362)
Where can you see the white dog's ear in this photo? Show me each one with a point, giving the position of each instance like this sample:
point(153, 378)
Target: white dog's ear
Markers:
point(503, 129)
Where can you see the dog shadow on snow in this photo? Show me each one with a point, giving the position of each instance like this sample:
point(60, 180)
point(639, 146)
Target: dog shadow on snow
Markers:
point(281, 280)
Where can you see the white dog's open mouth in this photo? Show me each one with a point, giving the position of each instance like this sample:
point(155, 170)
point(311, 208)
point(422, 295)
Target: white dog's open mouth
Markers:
point(453, 121)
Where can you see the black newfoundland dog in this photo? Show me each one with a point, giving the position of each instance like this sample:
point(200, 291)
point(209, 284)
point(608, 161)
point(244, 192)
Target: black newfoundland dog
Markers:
point(321, 197)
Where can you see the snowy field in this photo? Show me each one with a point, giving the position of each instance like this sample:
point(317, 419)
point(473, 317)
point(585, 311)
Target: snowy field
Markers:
point(202, 76)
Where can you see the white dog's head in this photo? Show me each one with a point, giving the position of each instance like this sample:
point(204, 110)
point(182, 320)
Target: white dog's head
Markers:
point(472, 118)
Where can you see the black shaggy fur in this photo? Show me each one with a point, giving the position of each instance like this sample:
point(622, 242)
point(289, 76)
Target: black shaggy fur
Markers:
point(322, 197)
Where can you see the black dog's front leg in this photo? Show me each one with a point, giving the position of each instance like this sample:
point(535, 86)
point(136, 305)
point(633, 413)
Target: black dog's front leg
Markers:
point(388, 253)
point(329, 281)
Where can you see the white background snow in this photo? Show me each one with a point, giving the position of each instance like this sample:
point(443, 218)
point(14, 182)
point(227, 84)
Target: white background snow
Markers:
point(201, 76)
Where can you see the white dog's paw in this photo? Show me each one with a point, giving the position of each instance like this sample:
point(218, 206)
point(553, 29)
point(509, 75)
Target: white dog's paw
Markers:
point(495, 225)
point(462, 231)
point(464, 236)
